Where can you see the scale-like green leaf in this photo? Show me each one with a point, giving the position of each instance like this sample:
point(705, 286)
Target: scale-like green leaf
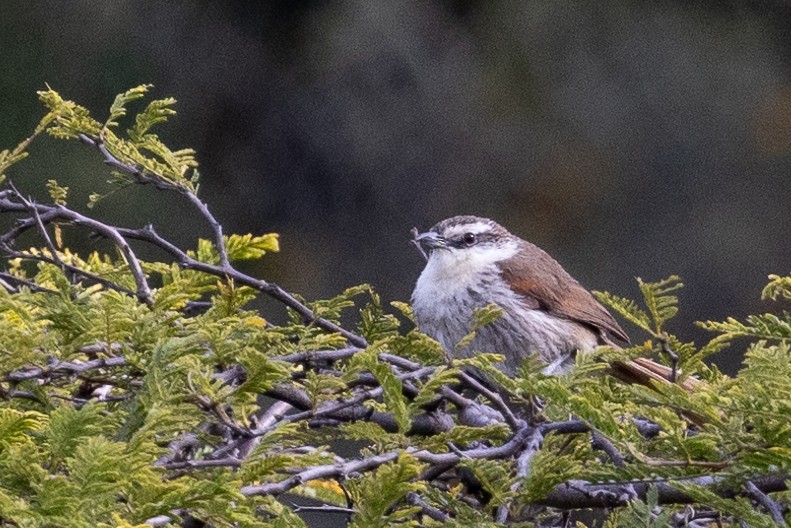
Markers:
point(118, 108)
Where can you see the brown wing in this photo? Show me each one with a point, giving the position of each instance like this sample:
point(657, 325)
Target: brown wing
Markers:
point(545, 285)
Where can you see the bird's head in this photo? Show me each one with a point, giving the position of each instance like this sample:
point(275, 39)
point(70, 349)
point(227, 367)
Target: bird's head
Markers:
point(466, 244)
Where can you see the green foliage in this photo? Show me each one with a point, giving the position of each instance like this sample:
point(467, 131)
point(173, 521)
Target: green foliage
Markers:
point(99, 391)
point(488, 364)
point(151, 159)
point(393, 396)
point(18, 153)
point(156, 112)
point(551, 467)
point(660, 306)
point(261, 373)
point(740, 507)
point(428, 390)
point(462, 515)
point(70, 119)
point(762, 326)
point(481, 317)
point(494, 476)
point(379, 495)
point(647, 514)
point(118, 108)
point(69, 427)
point(375, 323)
point(14, 426)
point(333, 308)
point(248, 247)
point(418, 347)
point(56, 192)
point(778, 286)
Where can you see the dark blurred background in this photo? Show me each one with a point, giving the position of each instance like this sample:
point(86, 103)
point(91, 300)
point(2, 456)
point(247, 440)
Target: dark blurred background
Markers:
point(625, 138)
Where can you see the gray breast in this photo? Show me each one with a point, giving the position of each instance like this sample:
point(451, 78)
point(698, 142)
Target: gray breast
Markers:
point(520, 332)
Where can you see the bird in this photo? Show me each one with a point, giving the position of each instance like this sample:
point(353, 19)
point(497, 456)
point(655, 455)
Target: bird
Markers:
point(474, 262)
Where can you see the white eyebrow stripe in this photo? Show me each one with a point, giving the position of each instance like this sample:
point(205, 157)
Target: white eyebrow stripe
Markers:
point(476, 228)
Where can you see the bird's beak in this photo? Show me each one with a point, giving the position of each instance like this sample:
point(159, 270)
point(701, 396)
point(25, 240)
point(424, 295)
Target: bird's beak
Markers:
point(428, 240)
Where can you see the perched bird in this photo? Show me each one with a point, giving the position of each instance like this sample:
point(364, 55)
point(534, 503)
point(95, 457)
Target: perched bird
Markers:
point(474, 262)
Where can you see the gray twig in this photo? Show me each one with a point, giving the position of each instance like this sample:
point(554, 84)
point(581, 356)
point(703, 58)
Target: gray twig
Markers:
point(64, 367)
point(320, 472)
point(599, 441)
point(775, 510)
point(581, 494)
point(333, 408)
point(204, 463)
point(219, 240)
point(532, 444)
point(366, 464)
point(493, 397)
point(74, 270)
point(429, 510)
point(471, 412)
point(324, 508)
point(148, 234)
point(6, 278)
point(143, 178)
point(41, 228)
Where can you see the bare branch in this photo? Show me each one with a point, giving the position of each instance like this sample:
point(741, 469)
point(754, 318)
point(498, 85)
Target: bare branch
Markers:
point(219, 241)
point(332, 409)
point(320, 472)
point(41, 228)
point(25, 395)
point(599, 441)
point(427, 424)
point(64, 367)
point(74, 270)
point(5, 278)
point(531, 447)
point(493, 397)
point(398, 361)
point(325, 508)
point(415, 500)
point(141, 177)
point(581, 494)
point(147, 234)
point(369, 463)
point(45, 214)
point(143, 290)
point(471, 413)
point(159, 520)
point(315, 356)
point(774, 509)
point(204, 463)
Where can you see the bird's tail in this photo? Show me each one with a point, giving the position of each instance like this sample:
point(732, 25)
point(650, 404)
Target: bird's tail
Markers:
point(643, 371)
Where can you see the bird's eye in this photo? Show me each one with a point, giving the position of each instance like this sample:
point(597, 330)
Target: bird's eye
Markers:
point(469, 238)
